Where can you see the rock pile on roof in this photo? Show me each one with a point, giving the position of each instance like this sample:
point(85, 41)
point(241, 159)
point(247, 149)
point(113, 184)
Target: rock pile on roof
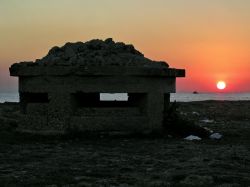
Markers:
point(97, 53)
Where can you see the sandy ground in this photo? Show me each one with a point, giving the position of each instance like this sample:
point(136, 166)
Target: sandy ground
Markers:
point(132, 161)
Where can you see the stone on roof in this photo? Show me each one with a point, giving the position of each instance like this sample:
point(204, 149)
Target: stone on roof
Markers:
point(97, 53)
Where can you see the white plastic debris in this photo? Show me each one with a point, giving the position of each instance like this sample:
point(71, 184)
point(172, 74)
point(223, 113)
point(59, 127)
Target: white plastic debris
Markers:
point(183, 113)
point(192, 137)
point(195, 113)
point(209, 130)
point(215, 136)
point(207, 121)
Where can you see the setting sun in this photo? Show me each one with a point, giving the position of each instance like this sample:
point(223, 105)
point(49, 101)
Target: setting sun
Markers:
point(221, 85)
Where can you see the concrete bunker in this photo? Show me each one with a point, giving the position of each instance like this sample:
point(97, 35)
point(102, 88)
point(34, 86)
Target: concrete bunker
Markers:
point(63, 90)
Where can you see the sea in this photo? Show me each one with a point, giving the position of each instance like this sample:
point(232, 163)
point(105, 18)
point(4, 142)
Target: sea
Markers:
point(178, 97)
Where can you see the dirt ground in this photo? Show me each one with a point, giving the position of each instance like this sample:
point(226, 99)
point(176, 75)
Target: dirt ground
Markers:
point(29, 160)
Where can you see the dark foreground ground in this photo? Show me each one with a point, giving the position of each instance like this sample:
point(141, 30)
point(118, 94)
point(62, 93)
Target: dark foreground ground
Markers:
point(132, 161)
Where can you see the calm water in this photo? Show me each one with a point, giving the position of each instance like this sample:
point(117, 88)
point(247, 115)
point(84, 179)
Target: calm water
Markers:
point(186, 97)
point(9, 97)
point(183, 97)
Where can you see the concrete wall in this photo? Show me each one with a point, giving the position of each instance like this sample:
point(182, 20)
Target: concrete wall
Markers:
point(62, 111)
point(103, 84)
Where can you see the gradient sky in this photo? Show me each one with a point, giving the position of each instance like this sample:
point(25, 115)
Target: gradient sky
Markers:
point(210, 39)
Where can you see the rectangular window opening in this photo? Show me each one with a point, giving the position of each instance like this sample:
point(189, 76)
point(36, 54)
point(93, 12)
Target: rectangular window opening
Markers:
point(33, 102)
point(95, 99)
point(29, 97)
point(96, 103)
point(113, 96)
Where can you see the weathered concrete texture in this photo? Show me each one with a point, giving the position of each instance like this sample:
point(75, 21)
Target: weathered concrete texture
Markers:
point(30, 122)
point(62, 90)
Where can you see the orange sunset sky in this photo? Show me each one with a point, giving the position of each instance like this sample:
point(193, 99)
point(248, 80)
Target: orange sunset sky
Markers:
point(208, 38)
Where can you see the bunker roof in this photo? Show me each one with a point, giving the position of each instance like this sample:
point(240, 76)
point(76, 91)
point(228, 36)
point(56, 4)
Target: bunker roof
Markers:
point(94, 57)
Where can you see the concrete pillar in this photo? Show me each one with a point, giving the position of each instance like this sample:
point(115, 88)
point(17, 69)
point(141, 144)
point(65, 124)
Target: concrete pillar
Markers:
point(166, 101)
point(23, 102)
point(59, 110)
point(155, 108)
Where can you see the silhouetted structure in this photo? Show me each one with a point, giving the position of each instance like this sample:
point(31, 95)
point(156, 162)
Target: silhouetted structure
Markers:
point(62, 90)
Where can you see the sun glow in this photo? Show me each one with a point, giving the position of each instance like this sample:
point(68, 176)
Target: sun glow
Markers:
point(221, 85)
